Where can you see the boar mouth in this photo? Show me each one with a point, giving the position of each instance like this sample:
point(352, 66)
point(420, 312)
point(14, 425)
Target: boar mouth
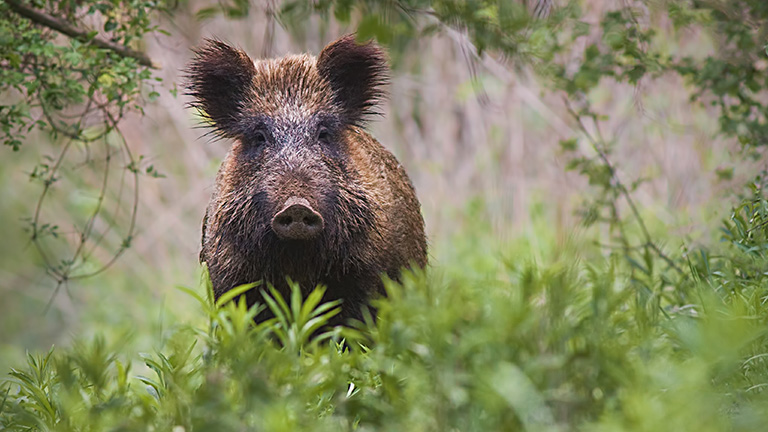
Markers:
point(297, 220)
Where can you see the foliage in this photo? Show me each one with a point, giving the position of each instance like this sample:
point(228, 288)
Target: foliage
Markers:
point(573, 53)
point(641, 339)
point(559, 345)
point(80, 89)
point(69, 74)
point(628, 50)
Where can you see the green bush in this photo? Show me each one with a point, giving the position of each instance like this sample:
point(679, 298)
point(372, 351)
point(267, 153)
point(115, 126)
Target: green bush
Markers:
point(562, 344)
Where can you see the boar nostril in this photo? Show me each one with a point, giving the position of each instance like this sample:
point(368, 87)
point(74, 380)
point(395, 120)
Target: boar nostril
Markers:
point(312, 220)
point(297, 220)
point(284, 219)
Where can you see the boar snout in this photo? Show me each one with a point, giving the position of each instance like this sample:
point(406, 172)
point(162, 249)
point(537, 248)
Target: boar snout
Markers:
point(297, 220)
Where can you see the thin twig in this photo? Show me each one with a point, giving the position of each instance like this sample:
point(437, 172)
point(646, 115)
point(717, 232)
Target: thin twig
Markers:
point(59, 282)
point(49, 181)
point(66, 28)
point(134, 210)
point(598, 147)
point(623, 247)
point(88, 228)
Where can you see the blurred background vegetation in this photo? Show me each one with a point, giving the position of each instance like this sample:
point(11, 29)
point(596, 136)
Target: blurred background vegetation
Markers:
point(591, 175)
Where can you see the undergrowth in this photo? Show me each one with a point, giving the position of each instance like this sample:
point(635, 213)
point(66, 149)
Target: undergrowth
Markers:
point(559, 344)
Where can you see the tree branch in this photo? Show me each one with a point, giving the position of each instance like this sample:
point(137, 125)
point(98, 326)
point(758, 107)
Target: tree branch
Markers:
point(66, 28)
point(598, 145)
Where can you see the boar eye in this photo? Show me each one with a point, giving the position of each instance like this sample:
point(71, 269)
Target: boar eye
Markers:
point(260, 138)
point(323, 134)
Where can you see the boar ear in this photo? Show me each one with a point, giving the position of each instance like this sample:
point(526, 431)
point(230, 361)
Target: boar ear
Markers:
point(220, 79)
point(356, 73)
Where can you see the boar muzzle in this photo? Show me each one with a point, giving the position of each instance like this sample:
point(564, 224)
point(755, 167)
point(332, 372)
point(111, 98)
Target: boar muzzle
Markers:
point(297, 220)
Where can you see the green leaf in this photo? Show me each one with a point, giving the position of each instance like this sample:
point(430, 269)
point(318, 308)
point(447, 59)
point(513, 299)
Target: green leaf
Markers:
point(235, 292)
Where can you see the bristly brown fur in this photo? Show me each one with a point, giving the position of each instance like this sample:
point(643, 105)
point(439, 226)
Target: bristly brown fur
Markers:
point(347, 78)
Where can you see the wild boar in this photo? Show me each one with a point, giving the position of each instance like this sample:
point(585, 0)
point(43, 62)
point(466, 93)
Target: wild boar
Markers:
point(305, 192)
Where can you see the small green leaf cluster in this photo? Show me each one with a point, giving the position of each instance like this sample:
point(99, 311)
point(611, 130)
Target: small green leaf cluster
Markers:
point(67, 79)
point(732, 79)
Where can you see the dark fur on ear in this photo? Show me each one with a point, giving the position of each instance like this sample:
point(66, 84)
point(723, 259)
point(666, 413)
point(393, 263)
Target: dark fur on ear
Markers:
point(220, 78)
point(356, 73)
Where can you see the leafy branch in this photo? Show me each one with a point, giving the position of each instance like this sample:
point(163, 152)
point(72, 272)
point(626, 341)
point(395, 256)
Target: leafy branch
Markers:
point(75, 92)
point(599, 146)
point(65, 28)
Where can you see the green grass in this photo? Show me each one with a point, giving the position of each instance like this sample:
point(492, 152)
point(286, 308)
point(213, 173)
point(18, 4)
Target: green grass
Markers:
point(527, 336)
